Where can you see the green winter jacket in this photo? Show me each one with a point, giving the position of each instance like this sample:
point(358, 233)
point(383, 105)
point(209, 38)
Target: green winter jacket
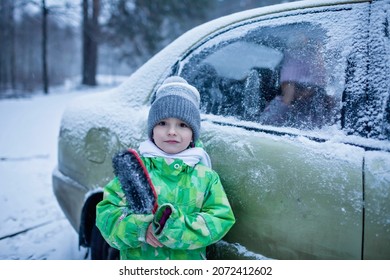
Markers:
point(201, 213)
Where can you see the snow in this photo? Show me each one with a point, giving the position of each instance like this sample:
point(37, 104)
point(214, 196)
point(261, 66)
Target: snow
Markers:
point(32, 223)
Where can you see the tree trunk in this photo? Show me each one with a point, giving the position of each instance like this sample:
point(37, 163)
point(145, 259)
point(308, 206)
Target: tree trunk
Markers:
point(45, 78)
point(90, 41)
point(7, 50)
point(13, 49)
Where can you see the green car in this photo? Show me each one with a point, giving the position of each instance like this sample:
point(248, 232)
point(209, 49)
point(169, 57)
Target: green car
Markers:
point(296, 119)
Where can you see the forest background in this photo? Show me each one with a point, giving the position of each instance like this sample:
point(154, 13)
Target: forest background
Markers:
point(45, 43)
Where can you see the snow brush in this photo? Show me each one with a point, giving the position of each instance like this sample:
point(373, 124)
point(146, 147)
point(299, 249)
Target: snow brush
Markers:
point(134, 178)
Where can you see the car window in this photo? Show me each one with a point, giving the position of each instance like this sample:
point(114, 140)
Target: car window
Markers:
point(288, 71)
point(387, 52)
point(378, 109)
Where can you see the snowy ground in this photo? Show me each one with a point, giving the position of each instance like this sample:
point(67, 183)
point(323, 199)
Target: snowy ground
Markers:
point(32, 224)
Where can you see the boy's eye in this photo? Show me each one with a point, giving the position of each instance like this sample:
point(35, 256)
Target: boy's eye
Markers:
point(161, 123)
point(183, 125)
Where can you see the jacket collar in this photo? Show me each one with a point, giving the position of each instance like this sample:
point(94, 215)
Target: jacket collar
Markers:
point(168, 166)
point(190, 156)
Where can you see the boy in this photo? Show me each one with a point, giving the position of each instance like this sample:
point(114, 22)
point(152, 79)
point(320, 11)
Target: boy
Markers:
point(193, 210)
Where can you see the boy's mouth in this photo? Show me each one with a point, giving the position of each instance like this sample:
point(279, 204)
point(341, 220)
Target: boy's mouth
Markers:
point(171, 141)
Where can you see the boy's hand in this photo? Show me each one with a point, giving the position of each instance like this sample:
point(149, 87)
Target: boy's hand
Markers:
point(151, 239)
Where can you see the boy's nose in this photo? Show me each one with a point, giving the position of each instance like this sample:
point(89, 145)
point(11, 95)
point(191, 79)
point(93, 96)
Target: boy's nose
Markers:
point(171, 130)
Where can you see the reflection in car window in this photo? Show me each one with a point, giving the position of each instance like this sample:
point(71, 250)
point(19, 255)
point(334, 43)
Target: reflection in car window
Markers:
point(280, 74)
point(303, 101)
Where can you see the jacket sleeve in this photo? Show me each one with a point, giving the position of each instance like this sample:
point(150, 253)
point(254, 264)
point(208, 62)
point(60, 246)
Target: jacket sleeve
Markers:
point(119, 227)
point(199, 229)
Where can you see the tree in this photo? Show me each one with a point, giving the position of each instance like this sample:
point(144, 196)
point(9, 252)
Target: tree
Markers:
point(90, 35)
point(7, 46)
point(26, 53)
point(146, 26)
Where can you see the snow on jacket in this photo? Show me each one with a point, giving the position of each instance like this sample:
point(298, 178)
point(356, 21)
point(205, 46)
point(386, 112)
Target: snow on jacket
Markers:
point(201, 213)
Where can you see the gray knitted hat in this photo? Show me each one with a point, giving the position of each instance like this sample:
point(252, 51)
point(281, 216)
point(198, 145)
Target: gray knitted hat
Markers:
point(175, 98)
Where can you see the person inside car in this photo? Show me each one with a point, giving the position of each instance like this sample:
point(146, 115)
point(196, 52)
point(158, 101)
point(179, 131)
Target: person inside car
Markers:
point(303, 102)
point(193, 210)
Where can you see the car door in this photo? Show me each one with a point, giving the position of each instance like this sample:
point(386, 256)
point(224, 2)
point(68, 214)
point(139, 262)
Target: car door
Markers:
point(295, 185)
point(377, 205)
point(377, 157)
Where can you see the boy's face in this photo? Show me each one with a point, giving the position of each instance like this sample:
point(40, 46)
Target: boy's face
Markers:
point(172, 135)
